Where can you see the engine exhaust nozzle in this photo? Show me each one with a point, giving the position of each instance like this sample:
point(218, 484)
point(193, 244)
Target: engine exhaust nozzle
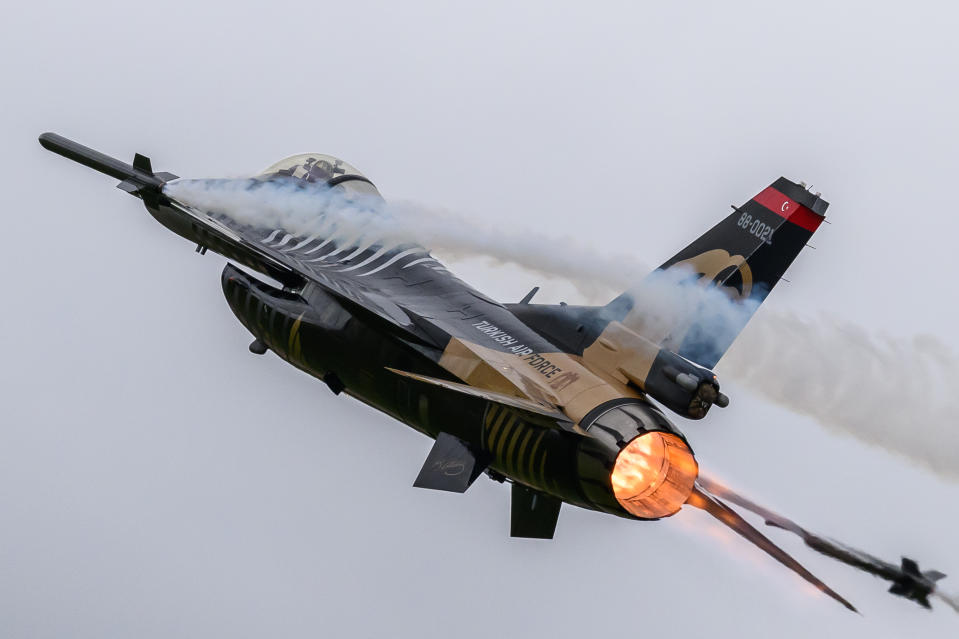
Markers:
point(654, 475)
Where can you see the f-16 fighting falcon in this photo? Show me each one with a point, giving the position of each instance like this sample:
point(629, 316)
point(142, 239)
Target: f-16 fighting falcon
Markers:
point(566, 403)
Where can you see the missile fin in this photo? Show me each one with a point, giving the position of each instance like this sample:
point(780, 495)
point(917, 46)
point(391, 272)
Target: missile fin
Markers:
point(130, 187)
point(529, 296)
point(142, 163)
point(910, 567)
point(899, 589)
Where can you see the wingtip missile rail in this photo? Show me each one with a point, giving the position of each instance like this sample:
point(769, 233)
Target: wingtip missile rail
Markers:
point(137, 179)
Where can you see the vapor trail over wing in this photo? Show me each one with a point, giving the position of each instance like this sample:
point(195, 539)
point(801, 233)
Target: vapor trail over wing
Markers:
point(701, 498)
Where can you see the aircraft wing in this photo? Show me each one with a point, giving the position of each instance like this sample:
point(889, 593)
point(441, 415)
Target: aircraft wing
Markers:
point(824, 545)
point(261, 243)
point(261, 247)
point(907, 580)
point(703, 499)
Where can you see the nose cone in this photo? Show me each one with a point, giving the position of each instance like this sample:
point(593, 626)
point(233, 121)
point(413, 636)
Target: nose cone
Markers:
point(654, 475)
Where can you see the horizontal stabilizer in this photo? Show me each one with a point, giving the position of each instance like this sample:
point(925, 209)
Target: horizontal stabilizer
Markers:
point(142, 163)
point(532, 514)
point(701, 498)
point(450, 466)
point(771, 518)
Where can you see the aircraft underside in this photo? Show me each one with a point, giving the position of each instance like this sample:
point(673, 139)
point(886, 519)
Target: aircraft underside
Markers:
point(557, 400)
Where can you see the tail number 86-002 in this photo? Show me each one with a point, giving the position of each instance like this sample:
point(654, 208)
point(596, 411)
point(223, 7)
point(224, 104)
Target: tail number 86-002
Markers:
point(756, 227)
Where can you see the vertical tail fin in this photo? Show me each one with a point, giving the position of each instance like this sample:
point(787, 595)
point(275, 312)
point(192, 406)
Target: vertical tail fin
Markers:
point(700, 300)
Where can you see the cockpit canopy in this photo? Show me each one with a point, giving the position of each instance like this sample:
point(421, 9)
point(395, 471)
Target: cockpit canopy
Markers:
point(318, 168)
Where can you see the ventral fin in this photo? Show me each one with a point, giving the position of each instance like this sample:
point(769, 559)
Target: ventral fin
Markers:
point(532, 514)
point(450, 466)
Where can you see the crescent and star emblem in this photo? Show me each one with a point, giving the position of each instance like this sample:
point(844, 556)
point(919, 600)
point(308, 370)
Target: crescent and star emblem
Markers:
point(785, 207)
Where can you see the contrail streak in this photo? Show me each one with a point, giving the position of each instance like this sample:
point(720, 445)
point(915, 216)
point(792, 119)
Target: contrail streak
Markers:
point(895, 393)
point(950, 600)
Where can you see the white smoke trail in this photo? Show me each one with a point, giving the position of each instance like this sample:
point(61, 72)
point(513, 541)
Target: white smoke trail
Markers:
point(325, 212)
point(889, 392)
point(458, 237)
point(950, 600)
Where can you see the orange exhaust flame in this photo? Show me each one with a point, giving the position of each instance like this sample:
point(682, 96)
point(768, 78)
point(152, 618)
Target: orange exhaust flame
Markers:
point(654, 475)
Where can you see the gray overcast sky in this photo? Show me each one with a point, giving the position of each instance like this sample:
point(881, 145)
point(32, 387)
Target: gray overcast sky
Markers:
point(157, 480)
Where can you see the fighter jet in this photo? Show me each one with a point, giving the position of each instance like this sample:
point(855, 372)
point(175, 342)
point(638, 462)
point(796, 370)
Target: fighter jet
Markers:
point(566, 403)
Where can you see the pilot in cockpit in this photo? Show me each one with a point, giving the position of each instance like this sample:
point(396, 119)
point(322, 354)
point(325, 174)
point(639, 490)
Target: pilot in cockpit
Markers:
point(317, 170)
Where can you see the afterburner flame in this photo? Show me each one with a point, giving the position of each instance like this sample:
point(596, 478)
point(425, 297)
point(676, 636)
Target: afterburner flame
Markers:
point(654, 475)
